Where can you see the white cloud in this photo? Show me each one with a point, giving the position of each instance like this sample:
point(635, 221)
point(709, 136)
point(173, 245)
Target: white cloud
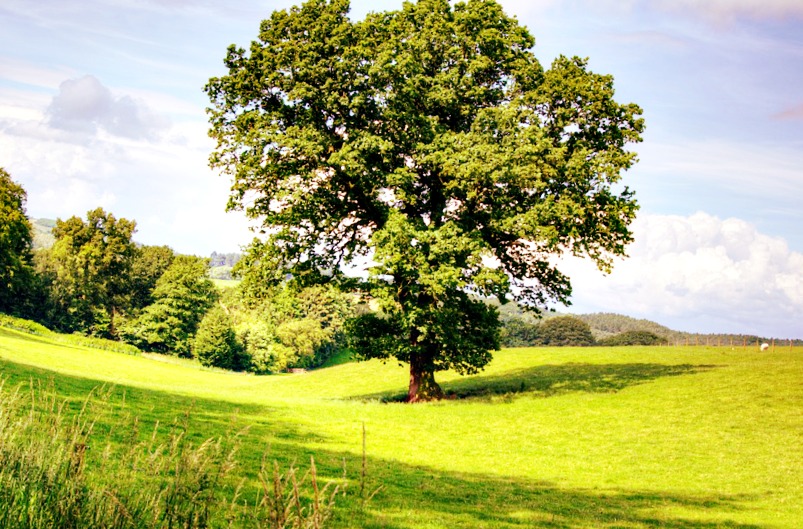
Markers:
point(84, 106)
point(92, 160)
point(62, 178)
point(699, 273)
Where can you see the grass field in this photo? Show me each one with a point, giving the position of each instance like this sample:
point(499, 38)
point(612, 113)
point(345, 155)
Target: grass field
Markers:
point(680, 438)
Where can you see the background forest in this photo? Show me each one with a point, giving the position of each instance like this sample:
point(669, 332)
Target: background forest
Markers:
point(89, 277)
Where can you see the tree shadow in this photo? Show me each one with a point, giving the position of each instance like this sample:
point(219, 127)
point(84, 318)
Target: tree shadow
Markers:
point(412, 496)
point(201, 417)
point(551, 380)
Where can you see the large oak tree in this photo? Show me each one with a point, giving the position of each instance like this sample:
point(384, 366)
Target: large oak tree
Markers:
point(431, 141)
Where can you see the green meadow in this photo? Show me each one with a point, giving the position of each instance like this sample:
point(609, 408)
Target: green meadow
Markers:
point(681, 438)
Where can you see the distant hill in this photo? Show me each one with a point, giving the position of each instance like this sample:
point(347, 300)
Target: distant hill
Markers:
point(604, 324)
point(42, 233)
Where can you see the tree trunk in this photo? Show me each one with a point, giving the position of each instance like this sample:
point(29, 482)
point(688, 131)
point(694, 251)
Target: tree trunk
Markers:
point(422, 382)
point(112, 330)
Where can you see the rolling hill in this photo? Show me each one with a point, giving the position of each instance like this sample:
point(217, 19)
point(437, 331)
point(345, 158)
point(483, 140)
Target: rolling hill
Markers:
point(637, 437)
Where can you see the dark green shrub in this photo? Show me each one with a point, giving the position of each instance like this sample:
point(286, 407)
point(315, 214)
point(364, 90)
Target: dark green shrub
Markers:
point(565, 330)
point(517, 332)
point(216, 344)
point(633, 338)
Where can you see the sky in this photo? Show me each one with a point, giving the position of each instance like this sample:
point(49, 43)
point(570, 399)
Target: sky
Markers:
point(102, 105)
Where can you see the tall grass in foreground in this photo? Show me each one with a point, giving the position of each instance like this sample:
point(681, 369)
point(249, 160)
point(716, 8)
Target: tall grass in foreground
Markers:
point(58, 471)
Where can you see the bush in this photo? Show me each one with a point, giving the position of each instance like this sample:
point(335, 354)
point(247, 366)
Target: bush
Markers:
point(215, 343)
point(517, 332)
point(633, 338)
point(565, 330)
point(303, 337)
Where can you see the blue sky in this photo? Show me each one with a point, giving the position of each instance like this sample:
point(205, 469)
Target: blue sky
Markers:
point(102, 104)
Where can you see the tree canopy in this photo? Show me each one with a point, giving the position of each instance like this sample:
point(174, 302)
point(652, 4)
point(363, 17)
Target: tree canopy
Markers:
point(432, 142)
point(16, 241)
point(87, 272)
point(182, 296)
point(565, 330)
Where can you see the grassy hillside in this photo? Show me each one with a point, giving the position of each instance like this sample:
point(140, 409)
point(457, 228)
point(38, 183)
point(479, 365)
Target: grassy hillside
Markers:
point(42, 232)
point(684, 438)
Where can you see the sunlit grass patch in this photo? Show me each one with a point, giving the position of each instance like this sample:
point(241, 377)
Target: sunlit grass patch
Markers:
point(685, 438)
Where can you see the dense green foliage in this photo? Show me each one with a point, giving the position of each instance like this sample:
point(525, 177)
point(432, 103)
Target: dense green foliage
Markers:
point(565, 330)
point(182, 296)
point(517, 332)
point(633, 338)
point(432, 139)
point(284, 327)
point(16, 240)
point(149, 263)
point(216, 345)
point(87, 273)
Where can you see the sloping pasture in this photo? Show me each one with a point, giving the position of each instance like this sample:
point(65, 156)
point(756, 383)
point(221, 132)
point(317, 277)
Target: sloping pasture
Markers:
point(681, 438)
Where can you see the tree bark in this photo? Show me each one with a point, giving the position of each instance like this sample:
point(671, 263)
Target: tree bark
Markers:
point(422, 382)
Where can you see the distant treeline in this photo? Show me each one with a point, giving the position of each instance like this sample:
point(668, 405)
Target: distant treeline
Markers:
point(522, 328)
point(223, 259)
point(519, 327)
point(87, 279)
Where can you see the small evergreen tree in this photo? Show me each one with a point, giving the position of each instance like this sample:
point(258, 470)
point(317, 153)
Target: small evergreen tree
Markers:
point(216, 344)
point(183, 294)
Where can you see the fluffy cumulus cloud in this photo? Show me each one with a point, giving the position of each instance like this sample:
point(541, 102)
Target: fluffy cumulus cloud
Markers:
point(700, 273)
point(85, 105)
point(85, 146)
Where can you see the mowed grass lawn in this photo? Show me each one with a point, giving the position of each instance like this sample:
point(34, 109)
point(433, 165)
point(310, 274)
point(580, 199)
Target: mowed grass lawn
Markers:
point(682, 438)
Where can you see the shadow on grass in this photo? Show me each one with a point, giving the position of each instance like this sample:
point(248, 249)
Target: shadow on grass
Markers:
point(416, 498)
point(550, 380)
point(204, 418)
point(412, 497)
